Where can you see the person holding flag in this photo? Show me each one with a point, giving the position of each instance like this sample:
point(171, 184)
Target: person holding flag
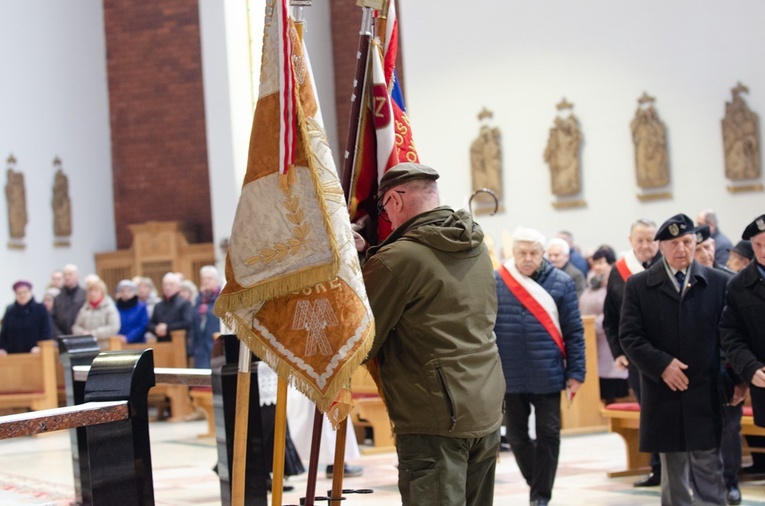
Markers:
point(431, 289)
point(541, 343)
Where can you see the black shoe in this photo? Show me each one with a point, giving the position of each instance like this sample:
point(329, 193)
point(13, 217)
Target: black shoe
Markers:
point(349, 471)
point(539, 502)
point(504, 447)
point(733, 496)
point(285, 487)
point(651, 480)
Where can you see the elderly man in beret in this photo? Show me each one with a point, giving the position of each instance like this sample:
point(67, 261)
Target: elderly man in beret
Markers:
point(431, 288)
point(669, 330)
point(740, 256)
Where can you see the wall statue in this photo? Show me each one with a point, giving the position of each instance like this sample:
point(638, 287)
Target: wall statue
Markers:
point(741, 138)
point(62, 206)
point(486, 165)
point(15, 194)
point(562, 153)
point(650, 138)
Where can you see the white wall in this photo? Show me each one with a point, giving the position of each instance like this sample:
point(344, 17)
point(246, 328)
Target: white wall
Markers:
point(54, 102)
point(519, 58)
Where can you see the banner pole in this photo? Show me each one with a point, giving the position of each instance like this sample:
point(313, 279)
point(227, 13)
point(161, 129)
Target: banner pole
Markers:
point(339, 464)
point(280, 442)
point(241, 420)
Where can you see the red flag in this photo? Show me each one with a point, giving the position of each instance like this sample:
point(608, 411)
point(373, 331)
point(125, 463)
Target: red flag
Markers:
point(385, 137)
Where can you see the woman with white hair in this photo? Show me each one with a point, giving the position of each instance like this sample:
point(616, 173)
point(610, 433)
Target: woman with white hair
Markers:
point(204, 324)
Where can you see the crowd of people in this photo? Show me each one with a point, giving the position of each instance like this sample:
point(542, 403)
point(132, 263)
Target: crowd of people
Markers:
point(466, 344)
point(135, 314)
point(678, 317)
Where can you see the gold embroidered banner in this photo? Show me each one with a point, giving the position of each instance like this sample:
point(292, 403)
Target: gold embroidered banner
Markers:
point(294, 291)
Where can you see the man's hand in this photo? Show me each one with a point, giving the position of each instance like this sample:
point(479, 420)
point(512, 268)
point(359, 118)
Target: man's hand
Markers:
point(621, 362)
point(3, 353)
point(739, 394)
point(35, 349)
point(758, 379)
point(573, 385)
point(358, 240)
point(161, 329)
point(675, 378)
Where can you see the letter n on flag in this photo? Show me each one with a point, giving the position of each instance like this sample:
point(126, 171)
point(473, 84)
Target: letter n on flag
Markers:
point(294, 292)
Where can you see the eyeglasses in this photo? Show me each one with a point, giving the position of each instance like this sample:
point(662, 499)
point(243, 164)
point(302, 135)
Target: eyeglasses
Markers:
point(381, 213)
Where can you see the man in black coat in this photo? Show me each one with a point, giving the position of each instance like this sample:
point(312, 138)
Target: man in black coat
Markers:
point(742, 328)
point(669, 330)
point(643, 253)
point(173, 312)
point(67, 304)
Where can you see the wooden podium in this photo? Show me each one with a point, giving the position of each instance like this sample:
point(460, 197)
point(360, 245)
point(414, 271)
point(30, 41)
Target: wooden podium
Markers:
point(158, 247)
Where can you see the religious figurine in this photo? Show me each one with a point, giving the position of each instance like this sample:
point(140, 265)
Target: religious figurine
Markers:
point(15, 194)
point(486, 165)
point(650, 138)
point(562, 153)
point(62, 206)
point(741, 138)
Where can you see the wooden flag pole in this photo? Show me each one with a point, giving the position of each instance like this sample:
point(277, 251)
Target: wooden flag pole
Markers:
point(313, 462)
point(280, 442)
point(339, 464)
point(362, 55)
point(241, 421)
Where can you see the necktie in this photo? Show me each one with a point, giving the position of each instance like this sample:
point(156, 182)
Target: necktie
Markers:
point(680, 277)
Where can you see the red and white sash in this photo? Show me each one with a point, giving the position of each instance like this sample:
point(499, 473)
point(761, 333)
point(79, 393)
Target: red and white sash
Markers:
point(534, 298)
point(629, 265)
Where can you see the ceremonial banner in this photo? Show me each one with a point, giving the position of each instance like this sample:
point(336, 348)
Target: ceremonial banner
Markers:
point(385, 137)
point(294, 292)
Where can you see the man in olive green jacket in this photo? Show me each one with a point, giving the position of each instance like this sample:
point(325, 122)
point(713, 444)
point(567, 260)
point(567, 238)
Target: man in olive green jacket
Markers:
point(432, 291)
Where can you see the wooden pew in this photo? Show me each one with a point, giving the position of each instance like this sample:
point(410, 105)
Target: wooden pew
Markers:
point(28, 380)
point(624, 419)
point(370, 411)
point(166, 354)
point(583, 414)
point(115, 414)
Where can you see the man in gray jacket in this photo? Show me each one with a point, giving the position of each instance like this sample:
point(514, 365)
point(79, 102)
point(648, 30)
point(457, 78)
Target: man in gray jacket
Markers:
point(431, 289)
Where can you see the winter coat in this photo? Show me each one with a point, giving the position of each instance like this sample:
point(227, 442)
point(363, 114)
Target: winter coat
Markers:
point(531, 360)
point(23, 326)
point(133, 320)
point(431, 289)
point(66, 307)
point(203, 327)
point(175, 312)
point(742, 330)
point(658, 325)
point(102, 321)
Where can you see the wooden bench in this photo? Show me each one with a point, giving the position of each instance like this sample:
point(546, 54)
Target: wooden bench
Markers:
point(28, 380)
point(624, 419)
point(170, 354)
point(370, 411)
point(115, 417)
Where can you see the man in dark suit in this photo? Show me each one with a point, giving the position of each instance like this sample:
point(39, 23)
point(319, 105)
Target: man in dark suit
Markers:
point(669, 330)
point(742, 327)
point(644, 252)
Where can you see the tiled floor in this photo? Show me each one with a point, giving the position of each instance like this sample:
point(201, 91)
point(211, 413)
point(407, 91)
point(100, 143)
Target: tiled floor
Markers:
point(37, 470)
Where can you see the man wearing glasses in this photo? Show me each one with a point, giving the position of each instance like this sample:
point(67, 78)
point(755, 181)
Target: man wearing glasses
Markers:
point(431, 289)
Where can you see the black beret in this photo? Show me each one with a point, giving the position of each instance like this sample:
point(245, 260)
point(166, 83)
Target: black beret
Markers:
point(743, 248)
point(754, 228)
point(702, 233)
point(676, 226)
point(403, 172)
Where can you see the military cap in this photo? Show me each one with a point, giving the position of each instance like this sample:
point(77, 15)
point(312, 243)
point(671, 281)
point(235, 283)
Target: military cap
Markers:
point(754, 228)
point(702, 233)
point(676, 226)
point(743, 248)
point(403, 172)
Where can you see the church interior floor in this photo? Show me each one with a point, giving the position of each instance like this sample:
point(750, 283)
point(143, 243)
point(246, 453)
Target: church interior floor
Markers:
point(38, 470)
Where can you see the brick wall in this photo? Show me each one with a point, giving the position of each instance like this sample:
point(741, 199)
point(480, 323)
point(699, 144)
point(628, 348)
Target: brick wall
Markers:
point(156, 105)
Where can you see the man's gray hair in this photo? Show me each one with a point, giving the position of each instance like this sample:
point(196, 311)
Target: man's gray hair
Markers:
point(522, 234)
point(561, 243)
point(209, 269)
point(643, 222)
